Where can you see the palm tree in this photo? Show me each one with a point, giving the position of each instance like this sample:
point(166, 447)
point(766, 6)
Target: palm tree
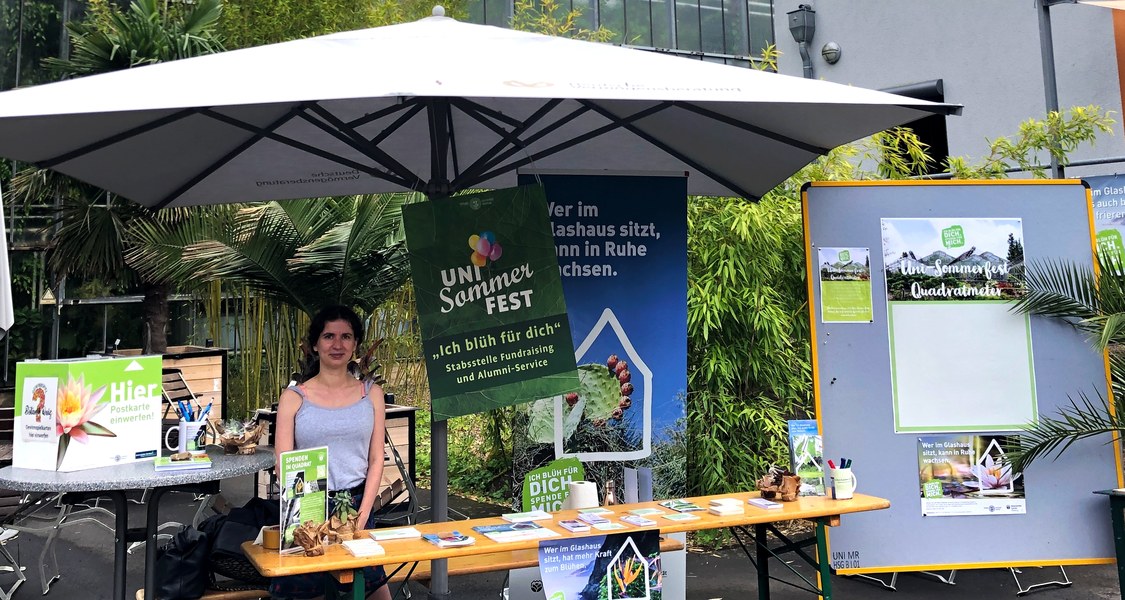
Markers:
point(94, 228)
point(1093, 302)
point(304, 253)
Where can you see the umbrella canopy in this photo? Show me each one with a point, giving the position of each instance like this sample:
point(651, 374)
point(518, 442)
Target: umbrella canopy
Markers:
point(434, 106)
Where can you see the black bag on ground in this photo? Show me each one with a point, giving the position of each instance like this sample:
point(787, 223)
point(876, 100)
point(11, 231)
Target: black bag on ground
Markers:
point(228, 532)
point(181, 566)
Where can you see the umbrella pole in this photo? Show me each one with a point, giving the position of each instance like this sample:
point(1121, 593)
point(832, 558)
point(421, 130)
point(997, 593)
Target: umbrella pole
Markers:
point(437, 111)
point(439, 501)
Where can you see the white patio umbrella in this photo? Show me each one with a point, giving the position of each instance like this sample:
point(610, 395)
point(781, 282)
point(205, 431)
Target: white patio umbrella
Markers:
point(435, 106)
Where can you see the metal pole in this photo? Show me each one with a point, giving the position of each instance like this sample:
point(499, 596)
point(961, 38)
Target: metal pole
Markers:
point(436, 189)
point(1050, 89)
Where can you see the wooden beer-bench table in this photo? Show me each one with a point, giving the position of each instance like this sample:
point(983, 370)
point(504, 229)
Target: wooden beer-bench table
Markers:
point(345, 568)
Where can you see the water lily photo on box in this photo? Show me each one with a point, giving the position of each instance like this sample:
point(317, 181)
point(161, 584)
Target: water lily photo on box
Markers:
point(77, 405)
point(968, 475)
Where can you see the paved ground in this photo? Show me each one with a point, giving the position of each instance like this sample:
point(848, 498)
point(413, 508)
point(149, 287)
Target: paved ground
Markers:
point(86, 558)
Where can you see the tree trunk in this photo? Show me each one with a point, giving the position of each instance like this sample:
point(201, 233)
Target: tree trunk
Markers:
point(155, 335)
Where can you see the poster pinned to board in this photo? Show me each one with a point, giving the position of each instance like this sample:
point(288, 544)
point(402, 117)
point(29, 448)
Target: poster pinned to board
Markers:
point(845, 284)
point(968, 475)
point(961, 360)
point(490, 302)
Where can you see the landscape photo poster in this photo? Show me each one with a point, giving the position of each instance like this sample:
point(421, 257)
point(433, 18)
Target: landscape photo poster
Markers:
point(962, 475)
point(490, 302)
point(617, 566)
point(303, 477)
point(845, 285)
point(961, 360)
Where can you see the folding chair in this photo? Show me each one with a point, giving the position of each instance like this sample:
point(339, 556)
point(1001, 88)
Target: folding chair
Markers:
point(38, 508)
point(175, 390)
point(9, 506)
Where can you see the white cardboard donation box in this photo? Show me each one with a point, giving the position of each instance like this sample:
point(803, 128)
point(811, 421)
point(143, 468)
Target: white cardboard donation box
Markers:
point(86, 413)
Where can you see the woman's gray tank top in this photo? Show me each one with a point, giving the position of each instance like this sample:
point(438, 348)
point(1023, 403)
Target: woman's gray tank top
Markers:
point(345, 430)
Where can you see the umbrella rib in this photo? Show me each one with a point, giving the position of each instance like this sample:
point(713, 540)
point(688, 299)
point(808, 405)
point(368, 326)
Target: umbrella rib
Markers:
point(462, 103)
point(508, 138)
point(399, 122)
point(352, 138)
point(615, 123)
point(113, 139)
point(412, 103)
point(627, 125)
point(215, 166)
point(773, 135)
point(310, 149)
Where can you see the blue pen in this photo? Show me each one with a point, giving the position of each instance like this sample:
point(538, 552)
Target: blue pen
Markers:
point(183, 410)
point(206, 409)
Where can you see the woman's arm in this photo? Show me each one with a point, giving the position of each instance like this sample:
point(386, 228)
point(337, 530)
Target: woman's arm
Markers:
point(283, 440)
point(374, 455)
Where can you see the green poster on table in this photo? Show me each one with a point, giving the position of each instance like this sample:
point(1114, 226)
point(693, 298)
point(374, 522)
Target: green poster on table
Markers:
point(303, 475)
point(490, 301)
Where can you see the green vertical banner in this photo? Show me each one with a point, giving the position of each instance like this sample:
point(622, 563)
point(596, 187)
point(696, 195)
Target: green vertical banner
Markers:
point(490, 301)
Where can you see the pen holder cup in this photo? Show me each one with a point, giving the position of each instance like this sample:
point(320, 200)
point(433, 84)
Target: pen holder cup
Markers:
point(843, 483)
point(187, 435)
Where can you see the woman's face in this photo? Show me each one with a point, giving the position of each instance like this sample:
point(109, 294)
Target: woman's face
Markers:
point(336, 344)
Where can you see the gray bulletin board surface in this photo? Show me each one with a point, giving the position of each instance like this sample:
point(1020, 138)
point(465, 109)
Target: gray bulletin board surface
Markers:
point(1064, 523)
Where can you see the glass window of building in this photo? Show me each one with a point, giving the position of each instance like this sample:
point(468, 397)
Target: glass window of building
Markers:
point(730, 31)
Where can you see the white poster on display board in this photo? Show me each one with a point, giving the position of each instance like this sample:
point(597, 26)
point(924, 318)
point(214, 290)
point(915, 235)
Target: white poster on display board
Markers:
point(960, 358)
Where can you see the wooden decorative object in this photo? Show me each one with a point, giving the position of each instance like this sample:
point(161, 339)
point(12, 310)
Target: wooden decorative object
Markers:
point(779, 485)
point(241, 442)
point(310, 536)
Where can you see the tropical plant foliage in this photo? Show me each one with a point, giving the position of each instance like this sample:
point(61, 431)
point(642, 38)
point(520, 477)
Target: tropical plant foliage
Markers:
point(1093, 303)
point(148, 32)
point(307, 253)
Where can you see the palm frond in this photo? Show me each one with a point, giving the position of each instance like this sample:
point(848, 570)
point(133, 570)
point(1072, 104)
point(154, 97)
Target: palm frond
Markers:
point(1061, 290)
point(1084, 418)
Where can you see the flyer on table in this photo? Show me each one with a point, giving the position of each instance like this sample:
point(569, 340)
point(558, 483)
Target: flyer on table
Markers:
point(845, 285)
point(490, 301)
point(303, 475)
point(961, 359)
point(968, 475)
point(622, 566)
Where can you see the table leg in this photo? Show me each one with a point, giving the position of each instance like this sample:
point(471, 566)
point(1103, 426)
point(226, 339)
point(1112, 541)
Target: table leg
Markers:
point(1117, 513)
point(359, 585)
point(763, 558)
point(151, 533)
point(120, 533)
point(823, 564)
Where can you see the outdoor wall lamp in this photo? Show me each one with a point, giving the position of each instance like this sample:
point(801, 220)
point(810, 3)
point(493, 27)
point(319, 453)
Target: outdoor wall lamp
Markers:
point(802, 24)
point(831, 53)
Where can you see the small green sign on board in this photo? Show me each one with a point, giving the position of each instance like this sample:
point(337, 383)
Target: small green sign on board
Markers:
point(953, 237)
point(845, 256)
point(545, 488)
point(1110, 245)
point(932, 489)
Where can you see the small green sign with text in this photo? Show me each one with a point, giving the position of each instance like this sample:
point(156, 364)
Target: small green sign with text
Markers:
point(1110, 245)
point(545, 488)
point(953, 237)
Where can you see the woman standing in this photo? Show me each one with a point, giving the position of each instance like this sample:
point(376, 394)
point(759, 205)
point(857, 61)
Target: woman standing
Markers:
point(329, 407)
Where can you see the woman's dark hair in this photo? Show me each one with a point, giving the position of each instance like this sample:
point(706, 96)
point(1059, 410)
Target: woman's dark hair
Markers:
point(310, 363)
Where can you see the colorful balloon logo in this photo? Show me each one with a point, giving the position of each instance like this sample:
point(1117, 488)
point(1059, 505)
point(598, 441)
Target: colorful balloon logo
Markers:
point(485, 248)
